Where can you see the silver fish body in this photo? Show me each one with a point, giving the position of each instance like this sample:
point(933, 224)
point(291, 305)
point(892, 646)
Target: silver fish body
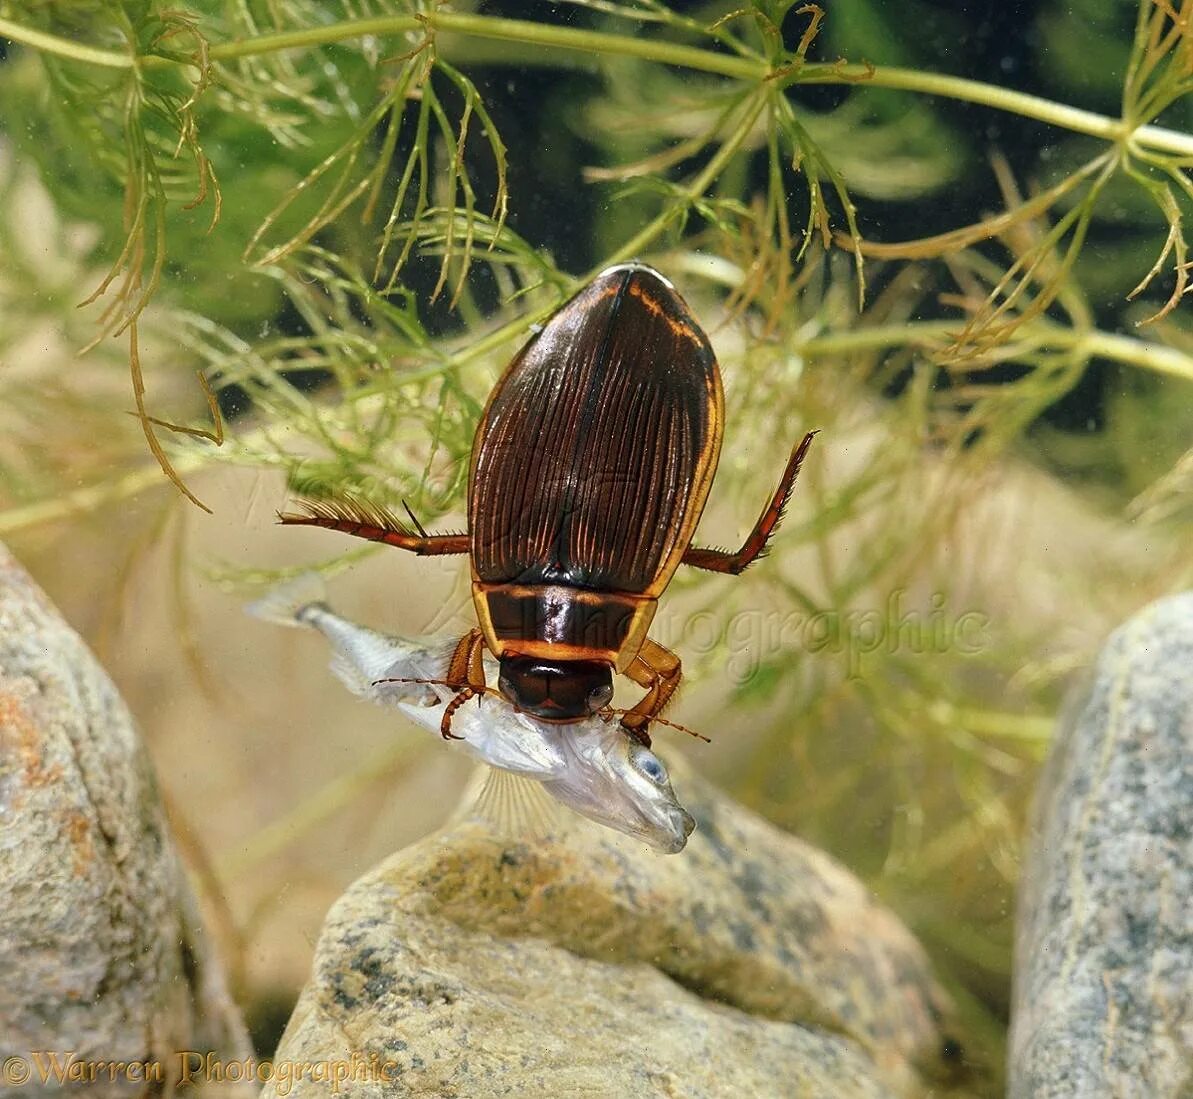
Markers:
point(591, 767)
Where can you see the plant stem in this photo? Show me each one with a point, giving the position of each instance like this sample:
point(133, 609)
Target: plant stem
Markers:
point(63, 47)
point(1107, 345)
point(506, 30)
point(1124, 349)
point(877, 337)
point(599, 44)
point(974, 91)
point(81, 501)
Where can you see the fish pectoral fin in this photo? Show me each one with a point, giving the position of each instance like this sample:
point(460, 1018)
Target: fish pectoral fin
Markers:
point(514, 806)
point(348, 672)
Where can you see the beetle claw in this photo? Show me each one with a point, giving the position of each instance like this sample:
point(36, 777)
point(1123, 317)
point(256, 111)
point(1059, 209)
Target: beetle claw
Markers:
point(638, 733)
point(445, 726)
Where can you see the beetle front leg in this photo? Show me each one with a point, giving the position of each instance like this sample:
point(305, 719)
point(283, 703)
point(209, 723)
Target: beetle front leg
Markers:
point(657, 669)
point(466, 670)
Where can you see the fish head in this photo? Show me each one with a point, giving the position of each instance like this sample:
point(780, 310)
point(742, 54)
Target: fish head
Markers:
point(616, 781)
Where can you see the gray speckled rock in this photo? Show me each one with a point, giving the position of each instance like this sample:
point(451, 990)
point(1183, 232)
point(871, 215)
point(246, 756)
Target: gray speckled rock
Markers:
point(584, 965)
point(101, 949)
point(1103, 1003)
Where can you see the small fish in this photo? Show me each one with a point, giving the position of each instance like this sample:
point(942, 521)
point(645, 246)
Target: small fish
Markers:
point(591, 766)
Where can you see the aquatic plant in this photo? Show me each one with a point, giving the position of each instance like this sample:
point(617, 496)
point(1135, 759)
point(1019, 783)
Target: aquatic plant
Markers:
point(341, 218)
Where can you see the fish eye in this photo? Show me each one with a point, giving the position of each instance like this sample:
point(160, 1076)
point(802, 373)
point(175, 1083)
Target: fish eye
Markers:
point(600, 696)
point(650, 765)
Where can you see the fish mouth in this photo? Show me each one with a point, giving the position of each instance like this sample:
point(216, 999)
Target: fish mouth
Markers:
point(674, 837)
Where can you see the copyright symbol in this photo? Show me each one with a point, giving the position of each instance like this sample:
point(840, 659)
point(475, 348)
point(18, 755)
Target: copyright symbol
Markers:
point(15, 1070)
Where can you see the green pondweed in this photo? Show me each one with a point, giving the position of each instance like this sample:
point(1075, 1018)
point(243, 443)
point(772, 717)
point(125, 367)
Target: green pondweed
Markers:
point(337, 214)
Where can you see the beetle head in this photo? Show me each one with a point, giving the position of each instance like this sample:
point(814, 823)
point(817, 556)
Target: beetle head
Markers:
point(556, 690)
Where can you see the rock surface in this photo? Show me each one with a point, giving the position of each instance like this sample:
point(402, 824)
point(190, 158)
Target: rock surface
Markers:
point(101, 950)
point(1103, 1000)
point(584, 965)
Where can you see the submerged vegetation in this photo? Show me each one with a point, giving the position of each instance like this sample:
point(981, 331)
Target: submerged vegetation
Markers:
point(344, 217)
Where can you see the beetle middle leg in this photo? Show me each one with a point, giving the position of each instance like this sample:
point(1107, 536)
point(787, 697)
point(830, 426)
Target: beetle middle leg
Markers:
point(466, 670)
point(375, 524)
point(657, 669)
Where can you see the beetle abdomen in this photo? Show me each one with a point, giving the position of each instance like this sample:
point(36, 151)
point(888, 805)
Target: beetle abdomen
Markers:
point(593, 459)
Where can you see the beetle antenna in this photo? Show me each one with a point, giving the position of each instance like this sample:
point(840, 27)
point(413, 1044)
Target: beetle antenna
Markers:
point(466, 690)
point(442, 683)
point(669, 724)
point(681, 728)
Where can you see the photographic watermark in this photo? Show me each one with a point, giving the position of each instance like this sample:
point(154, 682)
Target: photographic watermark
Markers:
point(42, 1068)
point(755, 636)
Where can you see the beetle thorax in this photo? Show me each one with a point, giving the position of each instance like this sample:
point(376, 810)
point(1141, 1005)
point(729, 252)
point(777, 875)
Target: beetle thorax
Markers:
point(555, 623)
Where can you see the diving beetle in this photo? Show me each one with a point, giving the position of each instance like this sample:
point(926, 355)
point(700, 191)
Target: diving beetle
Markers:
point(590, 468)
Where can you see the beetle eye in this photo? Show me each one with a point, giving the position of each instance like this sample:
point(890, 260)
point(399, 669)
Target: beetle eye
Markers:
point(600, 697)
point(506, 688)
point(650, 765)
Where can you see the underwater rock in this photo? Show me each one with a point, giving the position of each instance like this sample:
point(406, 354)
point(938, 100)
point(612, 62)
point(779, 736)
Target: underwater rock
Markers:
point(582, 964)
point(1103, 1000)
point(102, 952)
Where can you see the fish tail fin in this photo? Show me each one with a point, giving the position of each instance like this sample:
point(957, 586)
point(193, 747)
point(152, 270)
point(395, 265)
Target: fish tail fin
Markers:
point(513, 805)
point(285, 603)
